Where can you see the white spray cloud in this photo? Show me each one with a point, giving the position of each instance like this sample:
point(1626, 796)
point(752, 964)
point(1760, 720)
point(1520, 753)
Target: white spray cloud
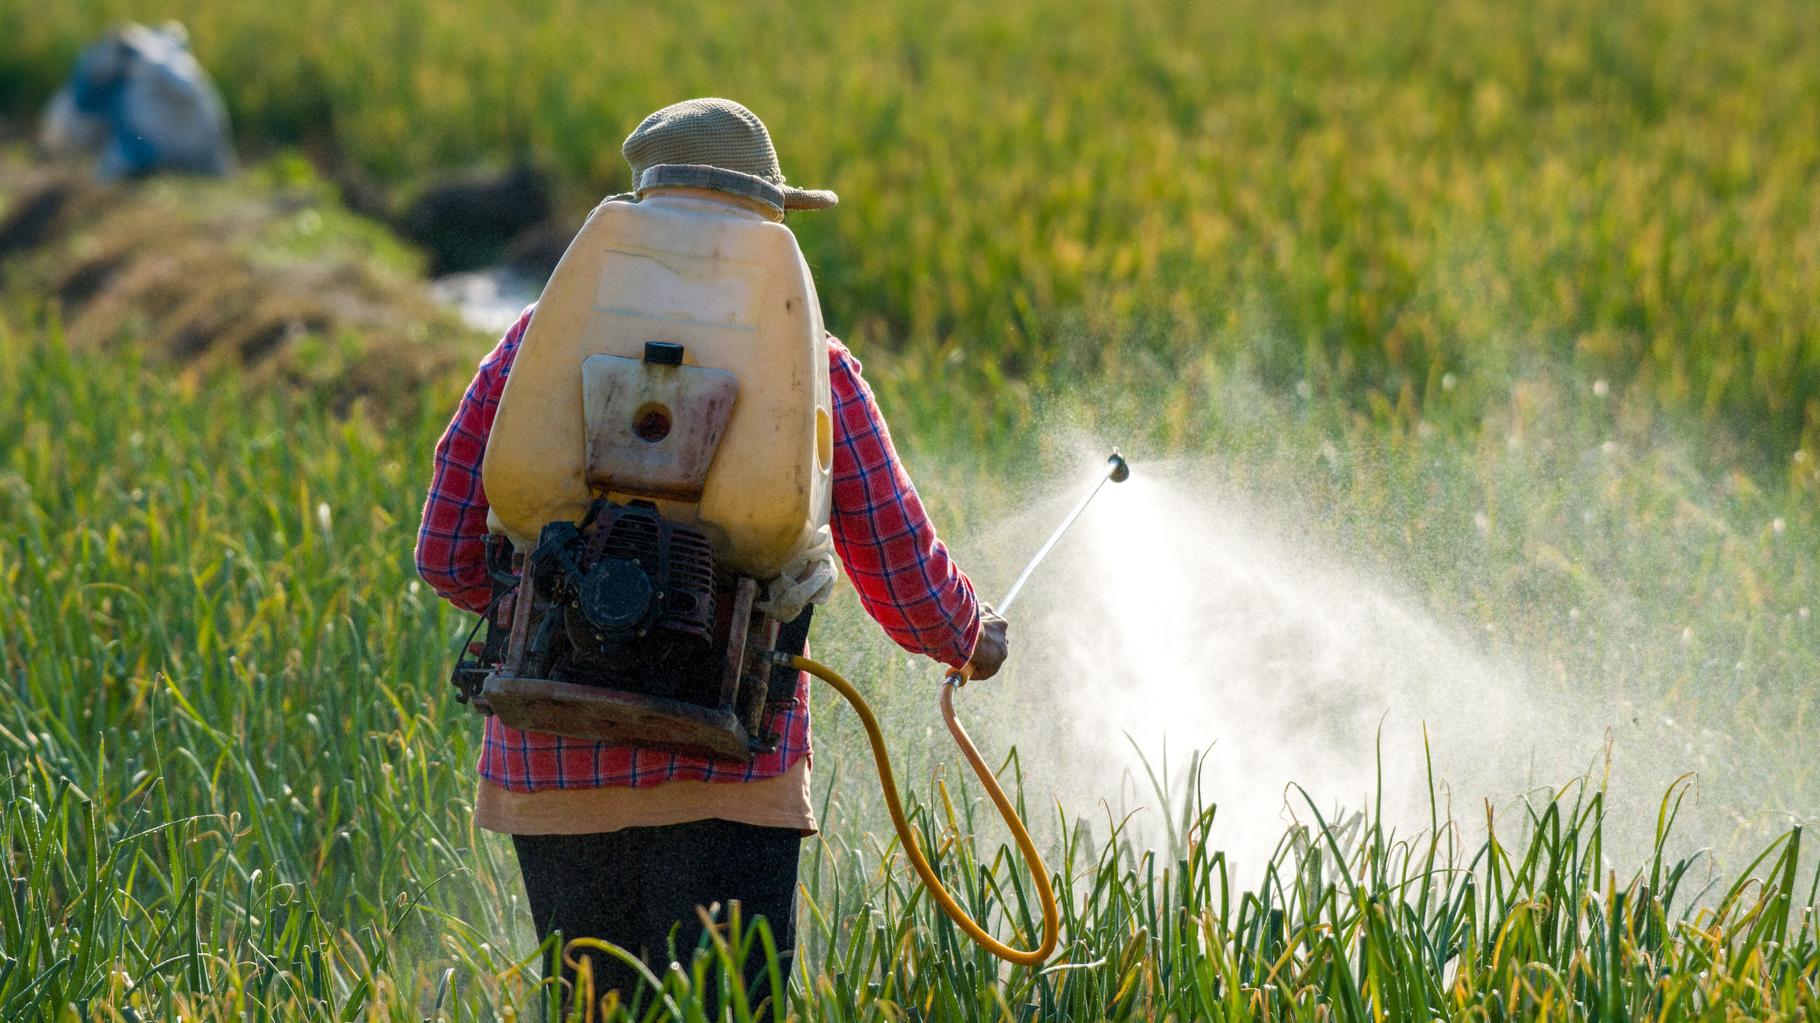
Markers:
point(1183, 619)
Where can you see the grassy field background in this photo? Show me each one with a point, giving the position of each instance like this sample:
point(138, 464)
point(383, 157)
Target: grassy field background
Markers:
point(1368, 197)
point(1505, 308)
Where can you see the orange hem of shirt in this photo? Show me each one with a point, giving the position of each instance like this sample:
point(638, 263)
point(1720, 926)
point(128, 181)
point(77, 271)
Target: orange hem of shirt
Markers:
point(778, 802)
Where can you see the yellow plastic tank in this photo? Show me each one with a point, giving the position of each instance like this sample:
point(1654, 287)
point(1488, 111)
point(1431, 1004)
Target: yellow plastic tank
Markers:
point(729, 285)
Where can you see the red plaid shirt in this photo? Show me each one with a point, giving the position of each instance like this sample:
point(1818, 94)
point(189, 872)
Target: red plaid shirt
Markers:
point(901, 570)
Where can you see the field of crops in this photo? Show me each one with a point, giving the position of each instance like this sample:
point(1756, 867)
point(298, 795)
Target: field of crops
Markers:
point(1506, 308)
point(235, 786)
point(1370, 197)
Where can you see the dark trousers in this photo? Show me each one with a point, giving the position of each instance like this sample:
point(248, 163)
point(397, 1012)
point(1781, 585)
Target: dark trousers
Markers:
point(634, 886)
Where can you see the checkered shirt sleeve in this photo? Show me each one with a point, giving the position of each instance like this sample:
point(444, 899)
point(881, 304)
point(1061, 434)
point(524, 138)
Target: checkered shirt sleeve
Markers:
point(451, 542)
point(903, 573)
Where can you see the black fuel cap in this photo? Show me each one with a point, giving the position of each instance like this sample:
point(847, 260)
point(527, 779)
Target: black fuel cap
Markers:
point(663, 353)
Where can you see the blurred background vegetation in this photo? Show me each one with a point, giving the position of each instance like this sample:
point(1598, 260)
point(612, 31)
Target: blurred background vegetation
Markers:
point(1376, 200)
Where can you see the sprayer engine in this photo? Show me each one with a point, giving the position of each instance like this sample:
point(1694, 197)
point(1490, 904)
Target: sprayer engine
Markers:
point(622, 630)
point(629, 596)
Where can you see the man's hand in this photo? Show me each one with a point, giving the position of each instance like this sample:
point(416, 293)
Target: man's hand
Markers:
point(990, 650)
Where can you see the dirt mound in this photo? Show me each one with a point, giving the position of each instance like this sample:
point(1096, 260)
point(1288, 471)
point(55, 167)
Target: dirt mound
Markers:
point(268, 273)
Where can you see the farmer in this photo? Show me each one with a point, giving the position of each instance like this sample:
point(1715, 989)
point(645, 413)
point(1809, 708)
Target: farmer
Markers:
point(138, 99)
point(622, 843)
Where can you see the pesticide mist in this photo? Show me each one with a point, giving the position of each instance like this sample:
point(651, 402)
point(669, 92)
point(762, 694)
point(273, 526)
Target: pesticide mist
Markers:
point(1180, 619)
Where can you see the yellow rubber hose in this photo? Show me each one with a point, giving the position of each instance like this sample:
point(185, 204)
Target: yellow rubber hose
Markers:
point(1052, 924)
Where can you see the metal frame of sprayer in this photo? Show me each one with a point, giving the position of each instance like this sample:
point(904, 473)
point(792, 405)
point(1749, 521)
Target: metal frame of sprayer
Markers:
point(622, 627)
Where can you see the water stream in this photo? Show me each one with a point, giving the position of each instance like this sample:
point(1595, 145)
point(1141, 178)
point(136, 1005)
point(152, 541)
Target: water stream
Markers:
point(488, 300)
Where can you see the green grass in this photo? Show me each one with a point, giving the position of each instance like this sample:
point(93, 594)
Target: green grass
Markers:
point(235, 785)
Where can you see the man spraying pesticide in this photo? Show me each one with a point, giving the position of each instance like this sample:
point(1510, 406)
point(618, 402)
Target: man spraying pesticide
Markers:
point(642, 493)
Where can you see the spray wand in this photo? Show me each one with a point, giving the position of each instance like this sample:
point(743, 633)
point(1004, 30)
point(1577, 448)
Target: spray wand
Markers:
point(1117, 472)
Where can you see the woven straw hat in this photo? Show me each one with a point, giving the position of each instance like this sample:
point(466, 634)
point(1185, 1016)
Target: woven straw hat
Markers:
point(718, 144)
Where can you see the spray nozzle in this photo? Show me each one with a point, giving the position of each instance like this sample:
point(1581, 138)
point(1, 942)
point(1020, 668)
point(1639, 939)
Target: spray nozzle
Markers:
point(1119, 471)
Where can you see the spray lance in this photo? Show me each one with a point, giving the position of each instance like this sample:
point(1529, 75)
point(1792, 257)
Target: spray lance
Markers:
point(1117, 471)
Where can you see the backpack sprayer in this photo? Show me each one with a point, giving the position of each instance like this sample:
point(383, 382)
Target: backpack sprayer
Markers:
point(659, 478)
